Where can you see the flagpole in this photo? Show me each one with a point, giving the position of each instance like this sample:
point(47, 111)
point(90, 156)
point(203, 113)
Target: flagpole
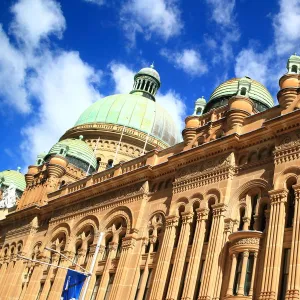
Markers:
point(67, 258)
point(52, 265)
point(92, 265)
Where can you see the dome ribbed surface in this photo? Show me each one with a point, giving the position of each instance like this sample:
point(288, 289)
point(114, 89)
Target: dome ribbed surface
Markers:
point(230, 88)
point(13, 177)
point(77, 149)
point(133, 111)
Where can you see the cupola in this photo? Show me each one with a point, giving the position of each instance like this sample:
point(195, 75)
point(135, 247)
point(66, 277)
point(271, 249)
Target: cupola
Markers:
point(146, 83)
point(199, 106)
point(293, 64)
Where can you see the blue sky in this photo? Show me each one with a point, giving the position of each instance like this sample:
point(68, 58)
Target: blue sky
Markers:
point(58, 57)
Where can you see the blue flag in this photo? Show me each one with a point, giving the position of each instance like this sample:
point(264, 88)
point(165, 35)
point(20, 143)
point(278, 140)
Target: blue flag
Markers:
point(72, 286)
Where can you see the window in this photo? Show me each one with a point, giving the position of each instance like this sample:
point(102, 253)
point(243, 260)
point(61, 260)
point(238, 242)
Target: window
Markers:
point(243, 91)
point(263, 221)
point(249, 272)
point(109, 286)
point(139, 284)
point(178, 230)
point(183, 276)
point(199, 111)
point(96, 287)
point(87, 252)
point(199, 280)
point(238, 272)
point(253, 207)
point(75, 260)
point(242, 214)
point(294, 69)
point(156, 245)
point(40, 290)
point(148, 284)
point(106, 250)
point(290, 208)
point(167, 281)
point(193, 227)
point(208, 226)
point(110, 164)
point(285, 273)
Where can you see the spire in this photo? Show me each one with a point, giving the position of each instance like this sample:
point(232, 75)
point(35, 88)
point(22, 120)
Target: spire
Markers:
point(146, 82)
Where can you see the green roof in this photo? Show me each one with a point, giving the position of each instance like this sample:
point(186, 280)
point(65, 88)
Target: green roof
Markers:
point(76, 148)
point(13, 177)
point(230, 88)
point(134, 111)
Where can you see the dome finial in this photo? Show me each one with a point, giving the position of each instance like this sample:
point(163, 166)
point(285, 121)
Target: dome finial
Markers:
point(152, 65)
point(18, 169)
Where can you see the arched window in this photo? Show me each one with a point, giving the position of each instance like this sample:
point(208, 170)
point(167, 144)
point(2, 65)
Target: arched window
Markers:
point(263, 220)
point(106, 250)
point(253, 209)
point(119, 249)
point(294, 69)
point(88, 252)
point(78, 247)
point(178, 228)
point(242, 214)
point(208, 222)
point(238, 272)
point(290, 204)
point(109, 164)
point(199, 111)
point(193, 224)
point(243, 91)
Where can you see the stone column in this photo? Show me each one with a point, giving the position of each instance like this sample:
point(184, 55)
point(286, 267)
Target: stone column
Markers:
point(232, 275)
point(213, 252)
point(2, 273)
point(164, 259)
point(15, 284)
point(46, 289)
point(274, 244)
point(253, 274)
point(34, 282)
point(60, 277)
point(8, 276)
point(179, 260)
point(228, 227)
point(123, 278)
point(293, 287)
point(105, 274)
point(195, 257)
point(243, 274)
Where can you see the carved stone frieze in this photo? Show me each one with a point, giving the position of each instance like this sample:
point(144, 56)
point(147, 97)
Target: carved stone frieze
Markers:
point(277, 196)
point(247, 241)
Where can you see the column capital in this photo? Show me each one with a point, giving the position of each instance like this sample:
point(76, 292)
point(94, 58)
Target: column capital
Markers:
point(277, 196)
point(228, 226)
point(296, 188)
point(187, 217)
point(128, 242)
point(219, 209)
point(202, 213)
point(246, 253)
point(172, 221)
point(112, 246)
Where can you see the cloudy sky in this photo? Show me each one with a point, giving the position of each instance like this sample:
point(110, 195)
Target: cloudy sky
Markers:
point(58, 57)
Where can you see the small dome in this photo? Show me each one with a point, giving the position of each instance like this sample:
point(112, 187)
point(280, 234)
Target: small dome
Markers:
point(135, 111)
point(16, 178)
point(201, 101)
point(77, 152)
point(149, 71)
point(258, 94)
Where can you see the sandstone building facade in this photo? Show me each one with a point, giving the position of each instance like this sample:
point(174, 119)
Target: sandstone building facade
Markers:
point(215, 216)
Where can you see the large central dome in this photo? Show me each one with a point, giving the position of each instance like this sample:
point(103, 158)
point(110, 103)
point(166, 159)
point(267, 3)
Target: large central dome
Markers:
point(135, 111)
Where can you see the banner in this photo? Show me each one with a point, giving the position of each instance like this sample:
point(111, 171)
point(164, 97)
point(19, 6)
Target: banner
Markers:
point(72, 286)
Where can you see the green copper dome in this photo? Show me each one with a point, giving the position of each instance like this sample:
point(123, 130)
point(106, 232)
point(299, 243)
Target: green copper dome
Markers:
point(257, 92)
point(9, 177)
point(76, 151)
point(135, 111)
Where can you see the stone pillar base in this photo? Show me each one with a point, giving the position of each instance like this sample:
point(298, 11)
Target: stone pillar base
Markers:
point(292, 295)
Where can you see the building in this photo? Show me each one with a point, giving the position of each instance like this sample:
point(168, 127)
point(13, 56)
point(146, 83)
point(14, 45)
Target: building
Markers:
point(215, 216)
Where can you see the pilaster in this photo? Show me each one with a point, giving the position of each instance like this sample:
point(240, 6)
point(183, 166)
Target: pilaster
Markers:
point(164, 259)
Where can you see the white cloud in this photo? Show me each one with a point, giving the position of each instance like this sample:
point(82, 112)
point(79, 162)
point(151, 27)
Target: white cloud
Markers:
point(122, 76)
point(287, 27)
point(98, 2)
point(12, 75)
point(171, 101)
point(145, 17)
point(37, 19)
point(188, 60)
point(65, 87)
point(222, 11)
point(252, 64)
